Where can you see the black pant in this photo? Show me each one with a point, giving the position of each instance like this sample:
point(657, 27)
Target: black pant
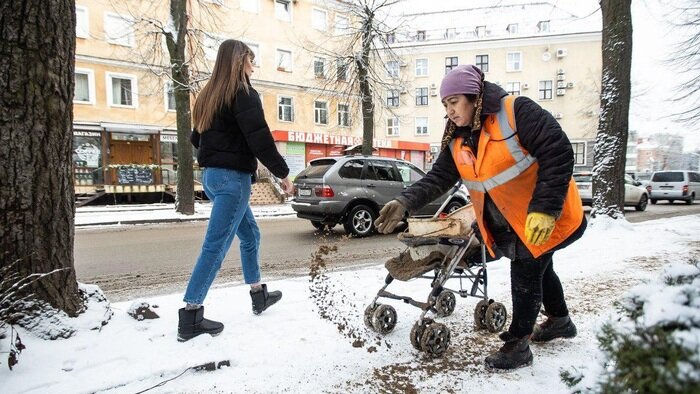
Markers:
point(533, 282)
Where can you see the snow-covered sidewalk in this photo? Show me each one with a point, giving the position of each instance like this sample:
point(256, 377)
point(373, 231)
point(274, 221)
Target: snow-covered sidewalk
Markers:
point(162, 213)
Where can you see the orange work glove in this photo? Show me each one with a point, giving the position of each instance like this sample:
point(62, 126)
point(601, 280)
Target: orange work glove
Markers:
point(538, 227)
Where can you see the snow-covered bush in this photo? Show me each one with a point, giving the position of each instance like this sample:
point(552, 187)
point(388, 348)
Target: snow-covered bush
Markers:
point(653, 344)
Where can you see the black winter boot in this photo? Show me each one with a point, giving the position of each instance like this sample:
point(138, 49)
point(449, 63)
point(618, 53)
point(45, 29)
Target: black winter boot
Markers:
point(553, 327)
point(263, 300)
point(514, 353)
point(193, 323)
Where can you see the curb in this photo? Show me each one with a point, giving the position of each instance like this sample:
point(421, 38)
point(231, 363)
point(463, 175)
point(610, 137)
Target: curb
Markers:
point(167, 220)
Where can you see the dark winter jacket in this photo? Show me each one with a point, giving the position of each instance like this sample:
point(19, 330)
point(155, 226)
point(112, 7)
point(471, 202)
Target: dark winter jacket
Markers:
point(239, 137)
point(541, 135)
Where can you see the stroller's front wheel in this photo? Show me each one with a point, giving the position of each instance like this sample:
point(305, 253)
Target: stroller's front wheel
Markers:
point(369, 311)
point(417, 332)
point(384, 319)
point(435, 339)
point(445, 303)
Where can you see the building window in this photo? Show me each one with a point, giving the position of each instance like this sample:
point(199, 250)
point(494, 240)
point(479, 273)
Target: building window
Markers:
point(390, 38)
point(421, 67)
point(343, 115)
point(169, 96)
point(285, 109)
point(480, 31)
point(482, 61)
point(211, 45)
point(392, 127)
point(450, 33)
point(82, 22)
point(514, 61)
point(392, 68)
point(119, 30)
point(320, 67)
point(512, 28)
point(422, 96)
point(543, 26)
point(420, 35)
point(255, 48)
point(320, 112)
point(121, 90)
point(342, 24)
point(284, 60)
point(319, 19)
point(450, 63)
point(421, 126)
point(341, 70)
point(579, 153)
point(513, 88)
point(283, 10)
point(84, 86)
point(250, 6)
point(545, 91)
point(392, 98)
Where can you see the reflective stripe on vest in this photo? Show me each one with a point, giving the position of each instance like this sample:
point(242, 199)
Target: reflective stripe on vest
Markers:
point(522, 161)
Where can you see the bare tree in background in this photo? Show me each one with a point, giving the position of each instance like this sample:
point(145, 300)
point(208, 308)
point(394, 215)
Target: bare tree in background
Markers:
point(37, 51)
point(183, 64)
point(611, 140)
point(686, 60)
point(359, 56)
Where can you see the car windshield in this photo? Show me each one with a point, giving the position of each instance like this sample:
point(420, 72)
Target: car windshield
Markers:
point(667, 177)
point(316, 169)
point(583, 178)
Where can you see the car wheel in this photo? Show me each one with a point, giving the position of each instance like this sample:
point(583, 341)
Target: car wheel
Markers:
point(691, 199)
point(453, 206)
point(671, 201)
point(653, 201)
point(360, 221)
point(642, 205)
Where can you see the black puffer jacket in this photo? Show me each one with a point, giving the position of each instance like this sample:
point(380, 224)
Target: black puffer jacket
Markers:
point(239, 137)
point(538, 132)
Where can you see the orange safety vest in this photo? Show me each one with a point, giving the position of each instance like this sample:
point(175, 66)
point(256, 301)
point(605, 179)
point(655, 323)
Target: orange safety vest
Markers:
point(508, 173)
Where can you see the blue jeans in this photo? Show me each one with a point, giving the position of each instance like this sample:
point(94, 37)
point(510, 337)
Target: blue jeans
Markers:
point(229, 190)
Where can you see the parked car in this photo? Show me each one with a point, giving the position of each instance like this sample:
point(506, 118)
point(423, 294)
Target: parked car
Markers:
point(674, 185)
point(350, 190)
point(635, 195)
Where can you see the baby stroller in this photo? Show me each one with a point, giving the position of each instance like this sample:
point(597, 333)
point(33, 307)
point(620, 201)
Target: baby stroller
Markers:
point(449, 247)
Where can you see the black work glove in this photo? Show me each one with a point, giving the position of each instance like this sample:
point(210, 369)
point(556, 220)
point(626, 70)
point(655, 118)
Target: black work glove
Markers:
point(390, 216)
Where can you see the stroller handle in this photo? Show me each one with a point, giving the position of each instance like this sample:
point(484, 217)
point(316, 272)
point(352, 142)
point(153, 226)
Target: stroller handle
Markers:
point(449, 197)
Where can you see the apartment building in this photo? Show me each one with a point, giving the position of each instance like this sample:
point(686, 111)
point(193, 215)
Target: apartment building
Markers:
point(124, 110)
point(536, 50)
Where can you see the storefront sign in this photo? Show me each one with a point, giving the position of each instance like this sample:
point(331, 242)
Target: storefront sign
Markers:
point(135, 176)
point(87, 133)
point(88, 153)
point(168, 137)
point(319, 138)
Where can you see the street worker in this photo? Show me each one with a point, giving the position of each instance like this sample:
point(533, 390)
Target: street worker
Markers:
point(517, 163)
point(231, 134)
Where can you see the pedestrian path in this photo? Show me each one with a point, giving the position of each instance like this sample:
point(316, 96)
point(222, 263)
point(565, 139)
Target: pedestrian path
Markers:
point(162, 213)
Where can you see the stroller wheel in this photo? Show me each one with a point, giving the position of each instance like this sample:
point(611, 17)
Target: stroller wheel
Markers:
point(384, 319)
point(369, 311)
point(417, 332)
point(435, 339)
point(496, 316)
point(445, 303)
point(480, 314)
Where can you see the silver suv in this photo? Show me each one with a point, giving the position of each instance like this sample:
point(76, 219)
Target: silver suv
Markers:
point(352, 189)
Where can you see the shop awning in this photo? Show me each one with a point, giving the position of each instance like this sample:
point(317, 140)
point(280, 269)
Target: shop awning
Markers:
point(131, 128)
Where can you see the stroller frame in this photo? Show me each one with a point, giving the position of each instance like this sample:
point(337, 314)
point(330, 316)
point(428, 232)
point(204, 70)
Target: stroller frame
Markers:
point(427, 335)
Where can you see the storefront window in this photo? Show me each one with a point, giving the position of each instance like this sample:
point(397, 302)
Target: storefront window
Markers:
point(87, 158)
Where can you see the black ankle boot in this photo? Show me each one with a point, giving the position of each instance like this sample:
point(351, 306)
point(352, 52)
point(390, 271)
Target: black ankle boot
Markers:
point(515, 353)
point(263, 300)
point(193, 323)
point(553, 327)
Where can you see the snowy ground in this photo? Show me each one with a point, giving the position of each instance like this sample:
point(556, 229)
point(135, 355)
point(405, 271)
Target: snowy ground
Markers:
point(291, 348)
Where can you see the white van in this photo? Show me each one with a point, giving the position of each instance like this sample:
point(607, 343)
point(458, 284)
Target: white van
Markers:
point(674, 185)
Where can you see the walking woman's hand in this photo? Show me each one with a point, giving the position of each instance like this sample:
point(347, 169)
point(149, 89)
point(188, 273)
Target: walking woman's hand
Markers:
point(287, 186)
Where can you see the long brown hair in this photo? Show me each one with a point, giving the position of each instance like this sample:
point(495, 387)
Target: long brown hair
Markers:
point(228, 76)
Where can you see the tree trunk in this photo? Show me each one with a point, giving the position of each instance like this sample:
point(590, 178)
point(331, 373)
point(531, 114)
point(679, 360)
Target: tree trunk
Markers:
point(37, 52)
point(177, 47)
point(611, 140)
point(367, 100)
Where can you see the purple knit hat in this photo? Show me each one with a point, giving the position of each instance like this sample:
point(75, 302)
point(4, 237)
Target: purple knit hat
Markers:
point(465, 79)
